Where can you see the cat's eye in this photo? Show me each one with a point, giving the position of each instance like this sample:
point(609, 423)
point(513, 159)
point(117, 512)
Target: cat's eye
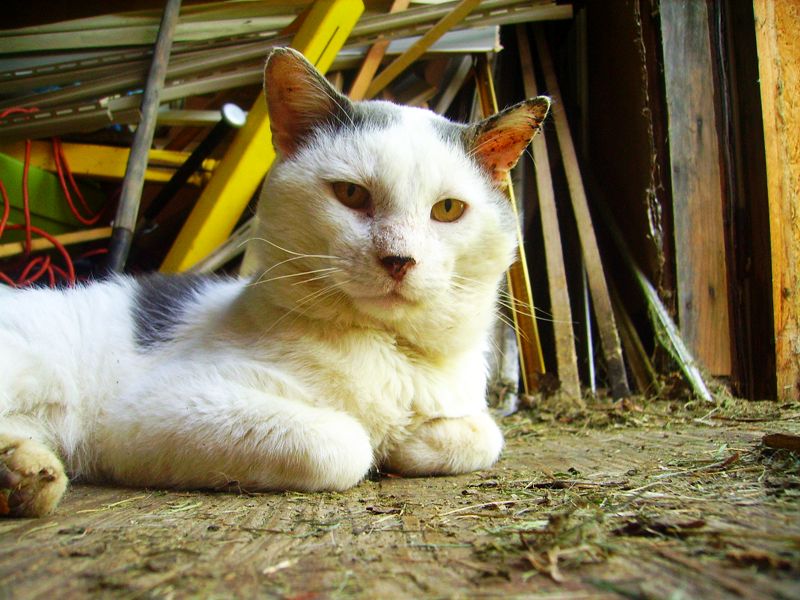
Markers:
point(448, 210)
point(351, 194)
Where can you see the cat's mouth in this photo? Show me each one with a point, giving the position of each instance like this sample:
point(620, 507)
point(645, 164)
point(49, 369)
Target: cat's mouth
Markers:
point(388, 301)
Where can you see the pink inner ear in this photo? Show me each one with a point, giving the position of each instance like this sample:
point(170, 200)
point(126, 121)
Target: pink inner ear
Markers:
point(499, 149)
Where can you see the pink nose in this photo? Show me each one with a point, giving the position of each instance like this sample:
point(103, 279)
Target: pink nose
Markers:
point(397, 266)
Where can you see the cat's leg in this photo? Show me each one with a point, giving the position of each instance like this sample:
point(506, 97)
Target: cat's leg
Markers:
point(447, 446)
point(32, 478)
point(203, 432)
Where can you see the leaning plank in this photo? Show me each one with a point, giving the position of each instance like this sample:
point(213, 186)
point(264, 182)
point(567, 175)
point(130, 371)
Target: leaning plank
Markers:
point(606, 324)
point(566, 359)
point(777, 24)
point(519, 283)
point(700, 260)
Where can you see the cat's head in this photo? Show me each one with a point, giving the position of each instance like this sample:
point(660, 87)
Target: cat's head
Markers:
point(384, 213)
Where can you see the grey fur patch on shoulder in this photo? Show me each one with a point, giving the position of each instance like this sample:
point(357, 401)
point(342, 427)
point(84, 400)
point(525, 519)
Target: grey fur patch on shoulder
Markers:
point(159, 304)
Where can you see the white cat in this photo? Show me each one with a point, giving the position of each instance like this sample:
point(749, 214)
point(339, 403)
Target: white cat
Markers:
point(360, 341)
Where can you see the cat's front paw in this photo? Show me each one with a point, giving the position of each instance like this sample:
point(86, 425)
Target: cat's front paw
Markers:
point(448, 446)
point(32, 479)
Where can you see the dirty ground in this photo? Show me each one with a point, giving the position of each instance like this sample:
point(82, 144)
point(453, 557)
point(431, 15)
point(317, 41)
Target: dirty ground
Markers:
point(649, 500)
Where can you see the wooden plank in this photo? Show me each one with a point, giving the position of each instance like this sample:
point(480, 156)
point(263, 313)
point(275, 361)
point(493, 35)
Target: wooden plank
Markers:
point(566, 359)
point(777, 24)
point(606, 323)
point(697, 196)
point(250, 155)
point(519, 283)
point(402, 62)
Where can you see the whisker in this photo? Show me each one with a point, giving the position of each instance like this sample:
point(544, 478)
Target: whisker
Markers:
point(299, 274)
point(300, 254)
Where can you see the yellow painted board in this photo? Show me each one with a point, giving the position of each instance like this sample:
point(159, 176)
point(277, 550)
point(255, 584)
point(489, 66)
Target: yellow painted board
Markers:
point(241, 170)
point(105, 162)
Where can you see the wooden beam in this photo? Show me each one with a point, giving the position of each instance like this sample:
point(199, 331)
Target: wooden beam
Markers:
point(777, 24)
point(519, 283)
point(566, 358)
point(606, 323)
point(697, 196)
point(250, 155)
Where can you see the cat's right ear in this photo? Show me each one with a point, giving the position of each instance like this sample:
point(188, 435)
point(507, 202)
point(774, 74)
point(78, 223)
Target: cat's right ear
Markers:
point(299, 99)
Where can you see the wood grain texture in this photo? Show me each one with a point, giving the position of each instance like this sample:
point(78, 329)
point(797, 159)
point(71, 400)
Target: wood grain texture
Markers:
point(700, 257)
point(777, 24)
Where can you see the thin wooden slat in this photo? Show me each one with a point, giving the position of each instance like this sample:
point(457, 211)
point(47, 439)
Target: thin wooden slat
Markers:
point(777, 24)
point(402, 62)
point(606, 323)
point(372, 60)
point(519, 283)
point(566, 359)
point(700, 257)
point(66, 239)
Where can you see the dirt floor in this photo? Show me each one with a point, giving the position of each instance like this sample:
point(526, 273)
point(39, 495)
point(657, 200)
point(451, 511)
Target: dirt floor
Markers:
point(619, 501)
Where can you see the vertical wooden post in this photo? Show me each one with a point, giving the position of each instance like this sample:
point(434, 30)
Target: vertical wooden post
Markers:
point(777, 24)
point(697, 197)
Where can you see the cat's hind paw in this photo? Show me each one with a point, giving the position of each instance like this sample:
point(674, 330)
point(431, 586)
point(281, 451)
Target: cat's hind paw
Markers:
point(32, 479)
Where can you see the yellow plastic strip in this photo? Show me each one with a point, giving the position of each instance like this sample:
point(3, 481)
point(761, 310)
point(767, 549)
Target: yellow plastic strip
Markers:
point(247, 160)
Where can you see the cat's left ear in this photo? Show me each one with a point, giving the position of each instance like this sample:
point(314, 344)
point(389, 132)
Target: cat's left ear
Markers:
point(497, 142)
point(299, 100)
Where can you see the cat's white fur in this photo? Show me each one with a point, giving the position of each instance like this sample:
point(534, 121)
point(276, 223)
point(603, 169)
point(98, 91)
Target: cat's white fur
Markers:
point(305, 376)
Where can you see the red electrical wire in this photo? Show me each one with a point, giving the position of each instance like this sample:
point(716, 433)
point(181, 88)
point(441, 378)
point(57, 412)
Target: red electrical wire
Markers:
point(17, 109)
point(45, 263)
point(26, 205)
point(6, 208)
point(70, 273)
point(62, 168)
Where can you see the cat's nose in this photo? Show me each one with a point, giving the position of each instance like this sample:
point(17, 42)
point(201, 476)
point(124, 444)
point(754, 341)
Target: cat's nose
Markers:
point(397, 266)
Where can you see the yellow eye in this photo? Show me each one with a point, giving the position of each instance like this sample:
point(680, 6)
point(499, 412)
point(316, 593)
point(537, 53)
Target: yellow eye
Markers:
point(351, 195)
point(448, 210)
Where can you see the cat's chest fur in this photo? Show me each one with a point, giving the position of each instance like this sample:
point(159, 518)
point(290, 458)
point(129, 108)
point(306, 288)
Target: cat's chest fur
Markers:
point(375, 375)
